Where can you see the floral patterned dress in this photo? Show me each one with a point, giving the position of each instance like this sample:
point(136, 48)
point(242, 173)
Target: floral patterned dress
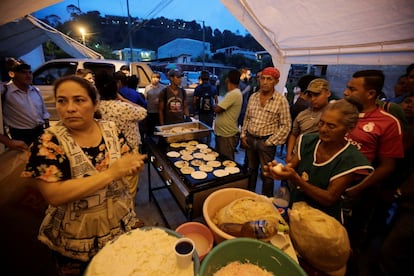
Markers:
point(79, 229)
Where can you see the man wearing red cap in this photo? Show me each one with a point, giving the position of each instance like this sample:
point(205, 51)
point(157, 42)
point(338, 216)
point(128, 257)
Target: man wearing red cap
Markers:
point(266, 124)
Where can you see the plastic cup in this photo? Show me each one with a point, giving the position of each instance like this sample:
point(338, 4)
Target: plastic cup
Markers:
point(184, 249)
point(282, 205)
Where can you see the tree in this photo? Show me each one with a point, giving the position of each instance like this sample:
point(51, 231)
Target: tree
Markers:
point(73, 10)
point(53, 20)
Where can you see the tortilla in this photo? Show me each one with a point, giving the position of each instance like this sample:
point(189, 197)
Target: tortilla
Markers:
point(220, 173)
point(187, 157)
point(187, 170)
point(175, 145)
point(181, 163)
point(173, 154)
point(232, 170)
point(199, 175)
point(193, 143)
point(197, 162)
point(214, 163)
point(202, 146)
point(206, 168)
point(198, 155)
point(209, 157)
point(229, 163)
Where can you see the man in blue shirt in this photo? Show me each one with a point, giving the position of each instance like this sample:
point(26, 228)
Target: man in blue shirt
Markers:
point(128, 93)
point(24, 111)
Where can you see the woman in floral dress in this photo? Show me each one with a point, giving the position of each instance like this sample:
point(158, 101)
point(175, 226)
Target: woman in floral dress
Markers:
point(80, 165)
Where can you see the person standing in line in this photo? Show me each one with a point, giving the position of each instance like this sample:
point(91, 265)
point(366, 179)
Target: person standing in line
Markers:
point(205, 97)
point(301, 103)
point(378, 135)
point(226, 127)
point(318, 93)
point(151, 93)
point(266, 125)
point(245, 88)
point(128, 93)
point(125, 69)
point(173, 107)
point(125, 115)
point(256, 86)
point(79, 166)
point(87, 74)
point(24, 111)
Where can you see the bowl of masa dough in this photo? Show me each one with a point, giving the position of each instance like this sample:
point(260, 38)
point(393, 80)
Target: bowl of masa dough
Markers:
point(143, 251)
point(246, 256)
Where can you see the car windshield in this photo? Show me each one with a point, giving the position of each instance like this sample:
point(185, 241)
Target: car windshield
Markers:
point(193, 76)
point(163, 78)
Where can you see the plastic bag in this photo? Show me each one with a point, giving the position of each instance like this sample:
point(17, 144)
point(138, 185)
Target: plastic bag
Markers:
point(248, 209)
point(319, 238)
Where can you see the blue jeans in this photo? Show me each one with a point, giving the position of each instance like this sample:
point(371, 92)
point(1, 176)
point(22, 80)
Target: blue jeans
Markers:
point(259, 154)
point(226, 146)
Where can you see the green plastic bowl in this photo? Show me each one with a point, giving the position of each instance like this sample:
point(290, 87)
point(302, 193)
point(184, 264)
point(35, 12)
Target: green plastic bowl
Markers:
point(253, 251)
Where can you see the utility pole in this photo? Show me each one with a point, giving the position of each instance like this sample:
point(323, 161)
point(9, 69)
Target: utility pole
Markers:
point(204, 47)
point(129, 33)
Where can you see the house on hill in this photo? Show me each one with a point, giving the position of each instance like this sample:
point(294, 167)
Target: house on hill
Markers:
point(185, 47)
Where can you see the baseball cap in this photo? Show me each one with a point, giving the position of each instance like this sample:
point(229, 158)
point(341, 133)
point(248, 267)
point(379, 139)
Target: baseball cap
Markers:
point(317, 85)
point(17, 65)
point(174, 73)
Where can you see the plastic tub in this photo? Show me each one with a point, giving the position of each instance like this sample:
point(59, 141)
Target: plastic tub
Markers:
point(200, 234)
point(253, 251)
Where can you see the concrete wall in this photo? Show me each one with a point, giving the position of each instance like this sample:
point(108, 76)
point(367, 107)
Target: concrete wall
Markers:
point(339, 75)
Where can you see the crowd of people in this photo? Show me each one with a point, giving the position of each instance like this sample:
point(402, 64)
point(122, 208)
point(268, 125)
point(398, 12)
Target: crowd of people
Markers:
point(350, 158)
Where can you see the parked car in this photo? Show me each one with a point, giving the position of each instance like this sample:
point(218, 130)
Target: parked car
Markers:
point(163, 78)
point(192, 78)
point(45, 75)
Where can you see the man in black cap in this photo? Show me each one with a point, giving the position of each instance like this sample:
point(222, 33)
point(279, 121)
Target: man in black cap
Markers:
point(24, 112)
point(205, 97)
point(173, 106)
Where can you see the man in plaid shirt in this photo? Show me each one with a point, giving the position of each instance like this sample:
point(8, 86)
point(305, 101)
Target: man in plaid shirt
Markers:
point(266, 124)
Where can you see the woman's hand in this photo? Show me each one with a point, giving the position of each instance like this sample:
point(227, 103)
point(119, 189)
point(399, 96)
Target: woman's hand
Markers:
point(277, 171)
point(128, 164)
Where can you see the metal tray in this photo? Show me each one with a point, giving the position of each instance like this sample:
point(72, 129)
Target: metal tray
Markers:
point(199, 130)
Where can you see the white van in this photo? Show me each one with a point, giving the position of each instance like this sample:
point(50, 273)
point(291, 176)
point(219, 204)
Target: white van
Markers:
point(45, 75)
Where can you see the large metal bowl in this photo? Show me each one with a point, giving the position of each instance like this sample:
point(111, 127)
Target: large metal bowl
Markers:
point(196, 130)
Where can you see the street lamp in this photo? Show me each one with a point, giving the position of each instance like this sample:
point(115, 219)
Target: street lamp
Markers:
point(82, 31)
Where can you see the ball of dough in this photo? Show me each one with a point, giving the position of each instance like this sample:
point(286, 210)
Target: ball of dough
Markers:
point(278, 168)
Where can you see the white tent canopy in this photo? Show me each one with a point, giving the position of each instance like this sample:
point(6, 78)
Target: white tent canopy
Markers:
point(13, 9)
point(368, 32)
point(22, 36)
